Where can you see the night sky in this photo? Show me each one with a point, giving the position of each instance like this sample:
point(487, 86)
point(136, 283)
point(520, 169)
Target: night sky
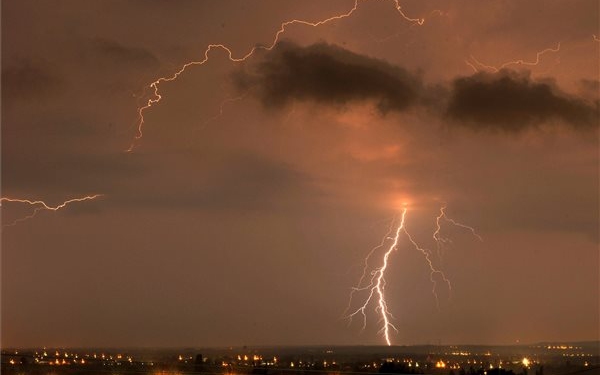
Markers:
point(243, 214)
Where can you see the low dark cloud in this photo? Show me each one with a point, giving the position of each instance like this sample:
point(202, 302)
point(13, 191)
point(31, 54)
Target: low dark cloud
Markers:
point(110, 51)
point(510, 101)
point(244, 181)
point(23, 174)
point(329, 75)
point(251, 182)
point(29, 79)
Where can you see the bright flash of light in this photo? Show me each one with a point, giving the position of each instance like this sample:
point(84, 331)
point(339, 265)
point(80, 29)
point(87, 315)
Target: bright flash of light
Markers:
point(156, 97)
point(477, 65)
point(39, 205)
point(372, 281)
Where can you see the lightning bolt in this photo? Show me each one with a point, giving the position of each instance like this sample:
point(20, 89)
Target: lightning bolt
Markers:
point(474, 63)
point(440, 241)
point(156, 97)
point(39, 205)
point(375, 284)
point(222, 107)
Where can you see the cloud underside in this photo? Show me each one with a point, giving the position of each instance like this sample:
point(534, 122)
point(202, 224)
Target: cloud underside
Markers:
point(510, 101)
point(330, 75)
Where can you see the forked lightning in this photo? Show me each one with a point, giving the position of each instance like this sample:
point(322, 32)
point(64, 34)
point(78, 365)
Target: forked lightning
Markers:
point(374, 286)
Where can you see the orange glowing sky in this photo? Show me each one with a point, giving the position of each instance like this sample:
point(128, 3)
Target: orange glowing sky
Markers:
point(244, 213)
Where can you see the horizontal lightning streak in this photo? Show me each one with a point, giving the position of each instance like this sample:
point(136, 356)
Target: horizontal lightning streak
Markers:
point(476, 63)
point(157, 97)
point(40, 205)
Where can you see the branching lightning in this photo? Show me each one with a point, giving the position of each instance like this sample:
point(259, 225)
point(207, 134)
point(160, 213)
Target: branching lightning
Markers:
point(477, 65)
point(443, 241)
point(222, 107)
point(374, 286)
point(39, 205)
point(156, 97)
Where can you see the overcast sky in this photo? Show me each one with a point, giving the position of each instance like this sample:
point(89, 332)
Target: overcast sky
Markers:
point(243, 214)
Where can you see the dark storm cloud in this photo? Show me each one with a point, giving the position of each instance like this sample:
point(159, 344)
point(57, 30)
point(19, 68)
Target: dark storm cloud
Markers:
point(329, 75)
point(249, 181)
point(244, 181)
point(510, 101)
point(113, 51)
point(27, 79)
